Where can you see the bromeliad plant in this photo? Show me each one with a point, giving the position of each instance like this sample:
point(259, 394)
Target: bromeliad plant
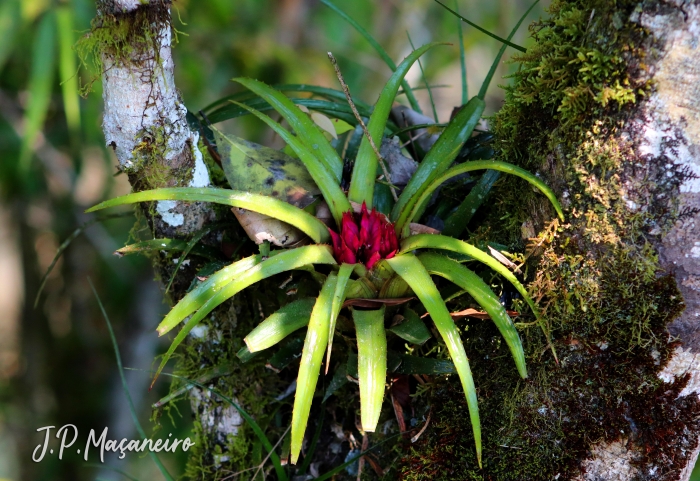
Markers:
point(372, 255)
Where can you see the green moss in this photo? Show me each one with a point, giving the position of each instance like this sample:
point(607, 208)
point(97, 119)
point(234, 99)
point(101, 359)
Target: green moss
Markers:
point(250, 384)
point(126, 39)
point(596, 277)
point(216, 172)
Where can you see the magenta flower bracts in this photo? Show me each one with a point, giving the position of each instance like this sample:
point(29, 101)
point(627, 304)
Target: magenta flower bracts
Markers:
point(364, 238)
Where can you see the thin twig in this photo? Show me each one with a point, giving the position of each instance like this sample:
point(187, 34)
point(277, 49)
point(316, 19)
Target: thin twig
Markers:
point(425, 426)
point(411, 139)
point(410, 135)
point(427, 85)
point(346, 90)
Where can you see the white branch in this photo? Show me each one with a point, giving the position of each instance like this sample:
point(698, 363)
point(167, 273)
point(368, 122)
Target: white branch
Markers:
point(143, 110)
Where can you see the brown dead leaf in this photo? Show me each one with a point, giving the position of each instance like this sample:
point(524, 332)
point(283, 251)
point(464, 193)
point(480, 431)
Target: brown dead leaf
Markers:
point(262, 228)
point(422, 229)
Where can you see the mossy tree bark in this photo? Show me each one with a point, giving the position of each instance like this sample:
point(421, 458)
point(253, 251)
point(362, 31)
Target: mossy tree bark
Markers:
point(606, 108)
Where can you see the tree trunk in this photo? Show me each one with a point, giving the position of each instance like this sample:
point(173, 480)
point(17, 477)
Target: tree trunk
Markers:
point(606, 108)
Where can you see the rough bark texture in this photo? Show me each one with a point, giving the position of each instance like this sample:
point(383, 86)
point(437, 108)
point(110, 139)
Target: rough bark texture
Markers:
point(145, 119)
point(671, 129)
point(606, 110)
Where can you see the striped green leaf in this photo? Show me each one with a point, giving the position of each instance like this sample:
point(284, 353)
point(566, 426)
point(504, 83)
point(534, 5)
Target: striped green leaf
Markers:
point(279, 325)
point(413, 272)
point(338, 299)
point(41, 80)
point(429, 241)
point(331, 94)
point(458, 220)
point(371, 364)
point(378, 48)
point(68, 70)
point(364, 171)
point(438, 159)
point(197, 297)
point(269, 206)
point(332, 108)
point(455, 272)
point(421, 201)
point(497, 60)
point(310, 365)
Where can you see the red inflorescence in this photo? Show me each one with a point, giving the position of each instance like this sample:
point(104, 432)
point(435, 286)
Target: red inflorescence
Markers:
point(366, 237)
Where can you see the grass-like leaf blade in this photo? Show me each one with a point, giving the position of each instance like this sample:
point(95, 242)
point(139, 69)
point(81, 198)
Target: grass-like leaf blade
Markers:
point(168, 245)
point(438, 159)
point(338, 299)
point(422, 201)
point(194, 247)
point(41, 79)
point(272, 207)
point(307, 131)
point(204, 291)
point(462, 61)
point(379, 49)
point(280, 324)
point(310, 364)
point(125, 387)
point(483, 30)
point(328, 93)
point(430, 241)
point(425, 81)
point(69, 73)
point(336, 109)
point(483, 295)
point(371, 364)
point(458, 220)
point(413, 272)
point(364, 171)
point(494, 65)
point(257, 430)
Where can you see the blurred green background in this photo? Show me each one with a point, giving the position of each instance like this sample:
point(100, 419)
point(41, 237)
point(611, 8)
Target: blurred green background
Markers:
point(57, 365)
